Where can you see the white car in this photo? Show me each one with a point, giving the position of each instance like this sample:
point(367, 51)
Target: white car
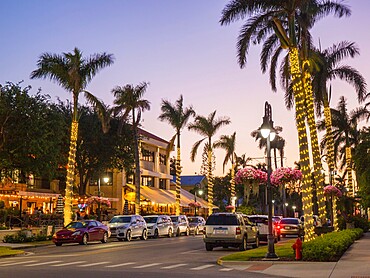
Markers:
point(159, 225)
point(262, 222)
point(180, 225)
point(126, 227)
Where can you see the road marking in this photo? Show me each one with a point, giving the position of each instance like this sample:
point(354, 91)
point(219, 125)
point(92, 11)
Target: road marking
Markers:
point(70, 263)
point(26, 262)
point(92, 264)
point(226, 269)
point(6, 262)
point(191, 251)
point(147, 265)
point(44, 263)
point(123, 264)
point(172, 266)
point(202, 267)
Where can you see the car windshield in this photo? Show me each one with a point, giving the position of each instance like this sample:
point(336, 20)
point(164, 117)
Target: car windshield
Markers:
point(262, 220)
point(222, 219)
point(289, 221)
point(150, 219)
point(193, 220)
point(120, 219)
point(174, 219)
point(77, 225)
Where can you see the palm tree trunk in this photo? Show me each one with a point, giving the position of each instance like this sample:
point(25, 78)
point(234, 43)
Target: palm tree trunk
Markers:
point(137, 164)
point(210, 180)
point(317, 166)
point(299, 97)
point(349, 171)
point(232, 184)
point(70, 173)
point(178, 176)
point(329, 138)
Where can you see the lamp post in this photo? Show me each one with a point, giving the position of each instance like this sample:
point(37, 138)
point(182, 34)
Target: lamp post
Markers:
point(200, 192)
point(294, 207)
point(105, 179)
point(268, 132)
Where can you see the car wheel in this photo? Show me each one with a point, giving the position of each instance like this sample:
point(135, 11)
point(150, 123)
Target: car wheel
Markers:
point(187, 232)
point(85, 239)
point(196, 232)
point(209, 247)
point(178, 232)
point(128, 236)
point(58, 243)
point(243, 245)
point(169, 233)
point(144, 235)
point(105, 238)
point(156, 233)
point(257, 242)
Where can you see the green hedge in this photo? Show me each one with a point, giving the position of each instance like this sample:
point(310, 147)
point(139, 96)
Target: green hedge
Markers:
point(358, 221)
point(21, 237)
point(331, 246)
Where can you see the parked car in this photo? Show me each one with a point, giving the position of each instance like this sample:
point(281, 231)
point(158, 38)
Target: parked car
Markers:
point(82, 232)
point(126, 227)
point(159, 225)
point(291, 226)
point(229, 229)
point(180, 225)
point(262, 222)
point(316, 220)
point(196, 224)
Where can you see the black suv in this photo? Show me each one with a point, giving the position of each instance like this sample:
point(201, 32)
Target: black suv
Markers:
point(229, 229)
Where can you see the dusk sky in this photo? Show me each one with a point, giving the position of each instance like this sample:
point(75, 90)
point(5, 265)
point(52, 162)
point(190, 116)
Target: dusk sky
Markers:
point(179, 47)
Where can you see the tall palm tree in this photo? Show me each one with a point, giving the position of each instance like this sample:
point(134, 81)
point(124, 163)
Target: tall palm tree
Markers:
point(242, 161)
point(207, 127)
point(346, 135)
point(129, 102)
point(73, 72)
point(279, 17)
point(177, 116)
point(228, 143)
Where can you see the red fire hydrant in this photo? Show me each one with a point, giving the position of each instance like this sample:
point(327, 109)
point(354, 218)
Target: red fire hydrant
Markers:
point(297, 246)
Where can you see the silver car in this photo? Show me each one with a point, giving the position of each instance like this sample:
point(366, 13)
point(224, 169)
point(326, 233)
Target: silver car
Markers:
point(180, 225)
point(159, 225)
point(196, 224)
point(126, 227)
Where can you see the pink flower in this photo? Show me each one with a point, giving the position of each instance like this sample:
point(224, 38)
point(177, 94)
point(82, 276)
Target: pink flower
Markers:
point(331, 190)
point(194, 204)
point(285, 175)
point(250, 174)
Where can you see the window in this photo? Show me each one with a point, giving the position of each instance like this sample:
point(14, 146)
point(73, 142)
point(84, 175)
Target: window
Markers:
point(147, 155)
point(147, 181)
point(162, 159)
point(162, 184)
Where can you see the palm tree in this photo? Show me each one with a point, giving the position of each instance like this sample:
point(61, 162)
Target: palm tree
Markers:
point(177, 116)
point(346, 135)
point(279, 17)
point(207, 127)
point(72, 72)
point(228, 143)
point(129, 102)
point(242, 161)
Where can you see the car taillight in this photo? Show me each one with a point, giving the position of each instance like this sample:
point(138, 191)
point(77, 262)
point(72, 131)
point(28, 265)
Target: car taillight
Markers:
point(278, 227)
point(238, 231)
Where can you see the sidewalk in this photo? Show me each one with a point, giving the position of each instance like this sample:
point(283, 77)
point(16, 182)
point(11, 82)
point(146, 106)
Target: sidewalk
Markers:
point(355, 263)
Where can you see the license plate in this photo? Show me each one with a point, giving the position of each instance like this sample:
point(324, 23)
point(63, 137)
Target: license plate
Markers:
point(220, 231)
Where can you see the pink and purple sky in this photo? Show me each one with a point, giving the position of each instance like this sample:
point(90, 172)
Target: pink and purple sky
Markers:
point(178, 47)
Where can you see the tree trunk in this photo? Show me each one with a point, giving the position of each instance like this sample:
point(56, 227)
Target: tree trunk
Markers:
point(299, 97)
point(210, 180)
point(178, 177)
point(137, 164)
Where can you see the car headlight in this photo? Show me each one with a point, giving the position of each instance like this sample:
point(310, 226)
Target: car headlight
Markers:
point(77, 233)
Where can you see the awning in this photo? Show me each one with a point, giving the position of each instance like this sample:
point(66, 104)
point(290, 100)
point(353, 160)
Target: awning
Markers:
point(38, 194)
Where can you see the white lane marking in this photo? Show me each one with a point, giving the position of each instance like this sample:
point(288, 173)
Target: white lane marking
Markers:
point(6, 262)
point(44, 263)
point(202, 267)
point(70, 263)
point(191, 251)
point(226, 269)
point(147, 265)
point(172, 266)
point(26, 262)
point(92, 264)
point(123, 264)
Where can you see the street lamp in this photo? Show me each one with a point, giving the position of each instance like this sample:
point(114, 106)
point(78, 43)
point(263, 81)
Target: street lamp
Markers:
point(268, 132)
point(200, 192)
point(294, 207)
point(105, 179)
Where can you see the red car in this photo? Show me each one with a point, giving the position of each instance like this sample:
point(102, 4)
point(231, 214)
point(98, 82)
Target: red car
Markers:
point(82, 232)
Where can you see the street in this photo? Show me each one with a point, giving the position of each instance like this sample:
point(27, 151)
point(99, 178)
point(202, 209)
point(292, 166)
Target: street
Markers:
point(163, 257)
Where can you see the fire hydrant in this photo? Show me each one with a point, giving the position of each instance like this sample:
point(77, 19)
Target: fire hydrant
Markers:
point(297, 246)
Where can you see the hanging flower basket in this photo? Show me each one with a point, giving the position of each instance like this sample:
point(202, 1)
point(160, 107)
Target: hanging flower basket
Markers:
point(194, 204)
point(230, 208)
point(284, 175)
point(249, 174)
point(96, 199)
point(332, 190)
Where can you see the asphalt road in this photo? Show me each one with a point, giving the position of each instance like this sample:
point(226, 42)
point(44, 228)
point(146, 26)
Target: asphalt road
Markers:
point(163, 257)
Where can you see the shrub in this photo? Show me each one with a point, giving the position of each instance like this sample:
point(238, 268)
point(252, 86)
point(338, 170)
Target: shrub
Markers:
point(358, 221)
point(331, 246)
